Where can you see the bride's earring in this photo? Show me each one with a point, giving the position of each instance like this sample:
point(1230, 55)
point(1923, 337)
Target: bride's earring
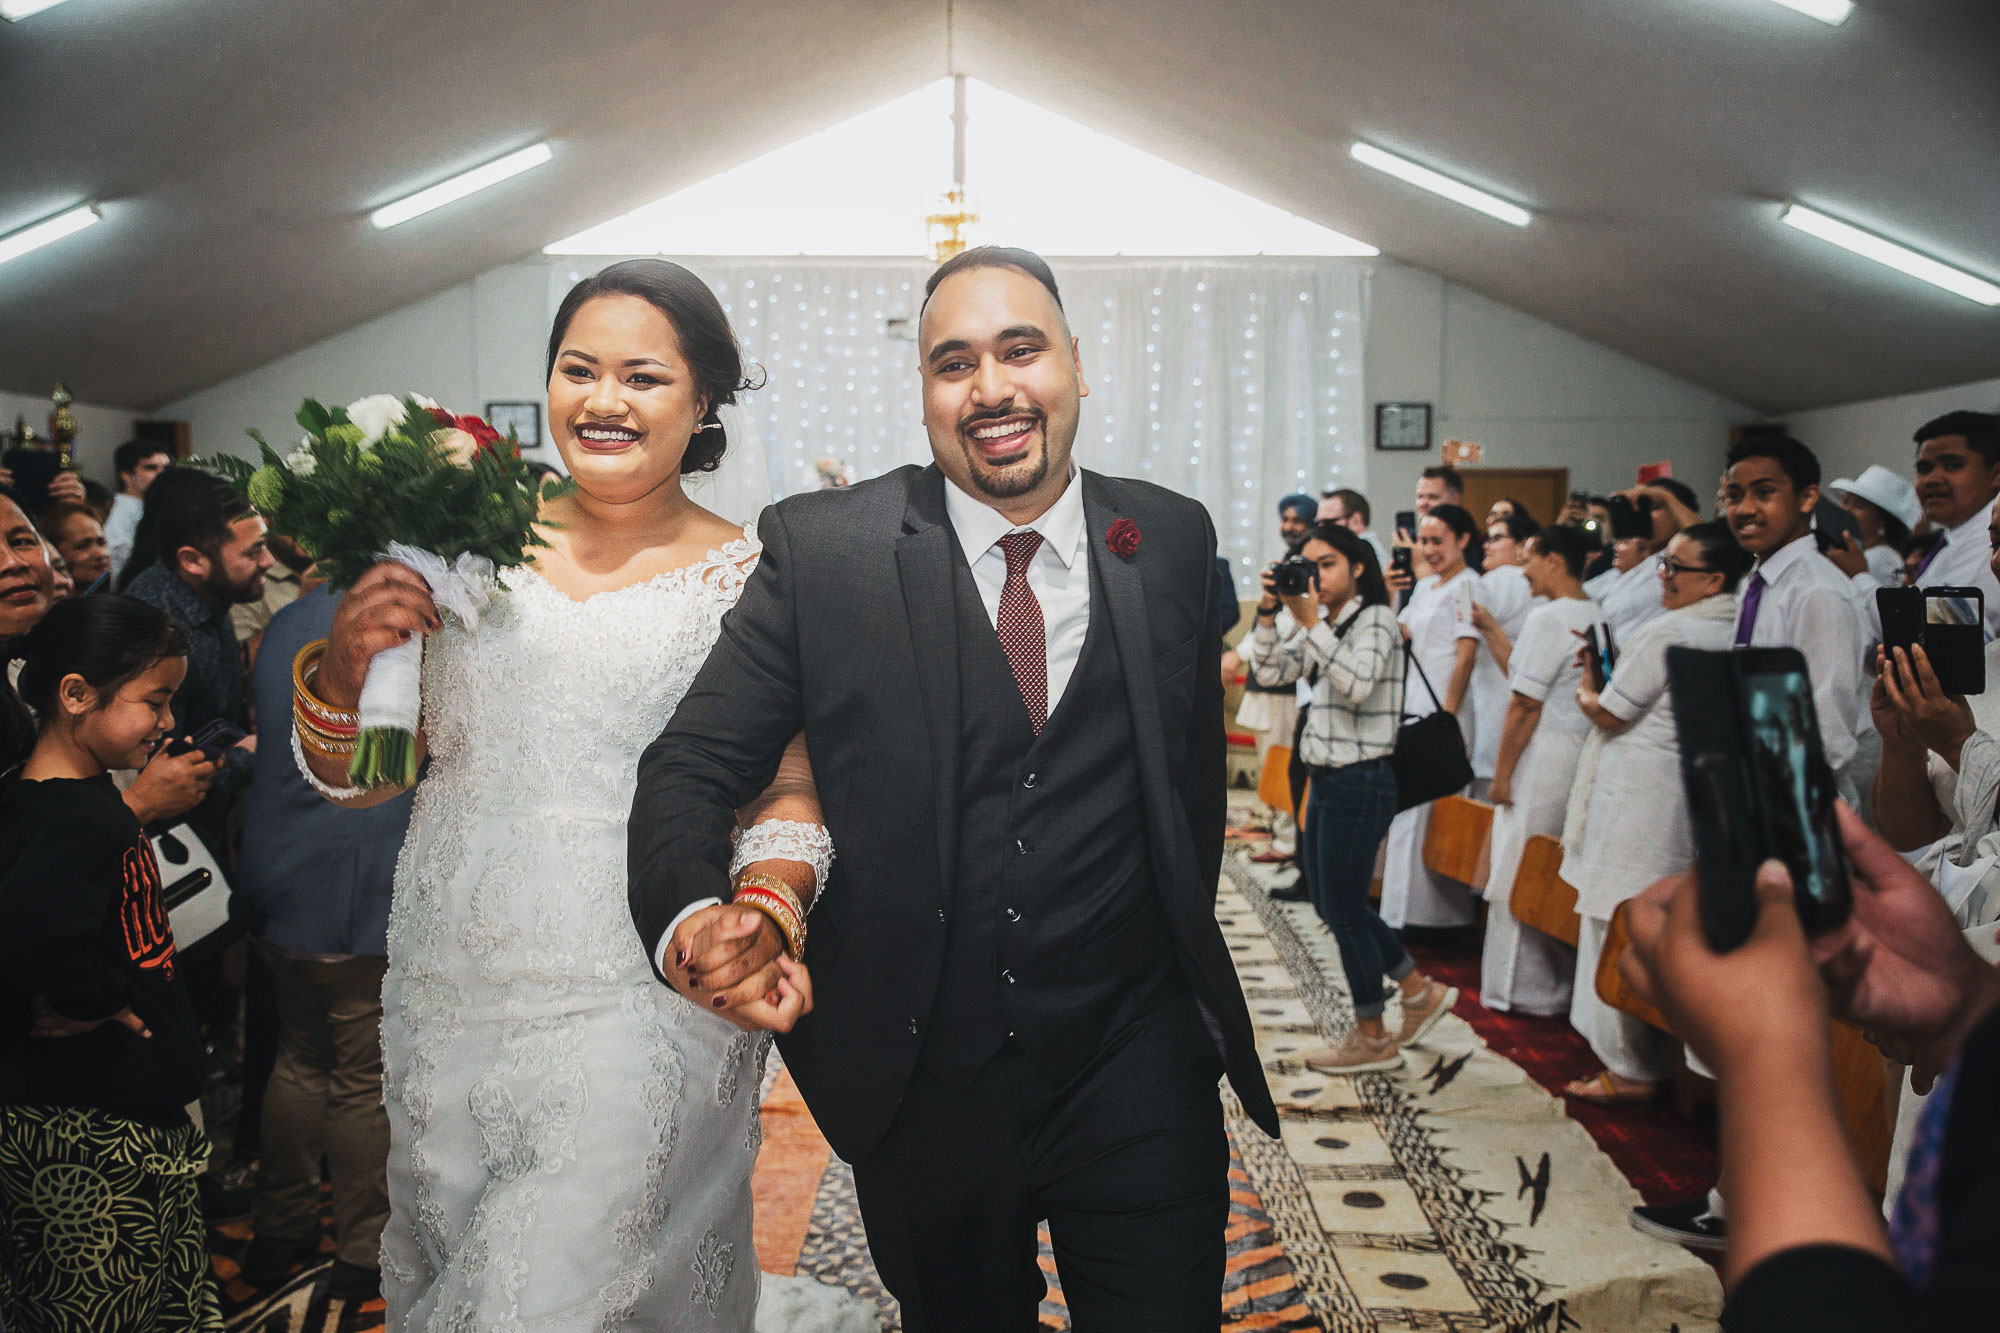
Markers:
point(708, 425)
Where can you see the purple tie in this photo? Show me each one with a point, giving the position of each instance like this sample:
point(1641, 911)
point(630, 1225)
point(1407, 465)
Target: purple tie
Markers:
point(1746, 614)
point(1935, 552)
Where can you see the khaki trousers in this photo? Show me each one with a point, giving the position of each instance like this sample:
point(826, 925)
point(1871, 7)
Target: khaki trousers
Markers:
point(325, 1100)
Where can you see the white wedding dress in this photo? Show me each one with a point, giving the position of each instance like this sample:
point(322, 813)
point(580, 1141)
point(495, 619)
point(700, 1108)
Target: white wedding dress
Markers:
point(572, 1141)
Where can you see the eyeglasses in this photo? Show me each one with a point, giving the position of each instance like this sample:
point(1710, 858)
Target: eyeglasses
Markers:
point(1669, 568)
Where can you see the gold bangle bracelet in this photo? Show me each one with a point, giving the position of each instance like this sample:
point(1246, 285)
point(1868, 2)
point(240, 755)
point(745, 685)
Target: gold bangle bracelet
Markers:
point(319, 743)
point(305, 668)
point(775, 885)
point(779, 913)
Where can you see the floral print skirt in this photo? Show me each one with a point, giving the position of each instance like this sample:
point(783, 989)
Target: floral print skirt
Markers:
point(100, 1225)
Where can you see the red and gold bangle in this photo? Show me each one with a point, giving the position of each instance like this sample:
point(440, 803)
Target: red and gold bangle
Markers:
point(334, 722)
point(783, 914)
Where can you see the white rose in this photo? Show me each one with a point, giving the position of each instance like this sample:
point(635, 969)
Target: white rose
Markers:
point(301, 460)
point(422, 401)
point(376, 415)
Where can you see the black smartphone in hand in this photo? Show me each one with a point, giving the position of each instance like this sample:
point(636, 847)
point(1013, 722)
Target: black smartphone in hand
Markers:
point(1758, 786)
point(1949, 623)
point(1406, 522)
point(214, 740)
point(1593, 660)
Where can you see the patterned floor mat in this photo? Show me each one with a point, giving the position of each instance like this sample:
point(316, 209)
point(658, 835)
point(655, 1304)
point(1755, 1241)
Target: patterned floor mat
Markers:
point(1451, 1195)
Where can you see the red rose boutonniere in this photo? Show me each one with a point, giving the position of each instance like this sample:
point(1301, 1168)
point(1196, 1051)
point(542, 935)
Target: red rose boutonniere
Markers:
point(1122, 538)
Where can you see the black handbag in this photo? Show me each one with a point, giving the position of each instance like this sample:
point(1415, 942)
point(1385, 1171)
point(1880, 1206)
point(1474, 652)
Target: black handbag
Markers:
point(1429, 759)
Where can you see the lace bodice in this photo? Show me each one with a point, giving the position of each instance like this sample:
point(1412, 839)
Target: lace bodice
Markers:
point(514, 873)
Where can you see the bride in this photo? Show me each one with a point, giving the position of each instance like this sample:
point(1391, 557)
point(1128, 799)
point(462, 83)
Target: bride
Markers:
point(571, 1141)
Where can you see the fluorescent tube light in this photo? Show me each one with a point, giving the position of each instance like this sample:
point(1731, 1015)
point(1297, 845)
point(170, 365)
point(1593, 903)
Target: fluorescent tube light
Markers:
point(16, 10)
point(471, 182)
point(1888, 253)
point(1831, 12)
point(1424, 178)
point(16, 244)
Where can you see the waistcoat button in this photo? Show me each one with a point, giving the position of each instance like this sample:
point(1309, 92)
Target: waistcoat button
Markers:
point(1007, 976)
point(1030, 781)
point(1013, 914)
point(1020, 847)
point(913, 1027)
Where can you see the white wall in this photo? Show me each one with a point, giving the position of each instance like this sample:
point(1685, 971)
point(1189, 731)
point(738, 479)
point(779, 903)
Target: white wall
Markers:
point(99, 430)
point(1878, 430)
point(1532, 394)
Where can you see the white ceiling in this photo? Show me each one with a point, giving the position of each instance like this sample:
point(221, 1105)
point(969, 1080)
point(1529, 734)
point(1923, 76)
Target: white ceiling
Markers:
point(238, 145)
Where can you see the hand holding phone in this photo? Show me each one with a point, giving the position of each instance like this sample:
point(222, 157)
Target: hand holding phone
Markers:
point(1758, 787)
point(1593, 661)
point(1949, 623)
point(214, 740)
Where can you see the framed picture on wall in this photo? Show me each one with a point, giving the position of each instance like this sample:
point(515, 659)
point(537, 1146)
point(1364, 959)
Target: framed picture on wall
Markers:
point(1403, 426)
point(524, 419)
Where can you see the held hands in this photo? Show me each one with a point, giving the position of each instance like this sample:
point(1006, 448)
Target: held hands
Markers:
point(1923, 712)
point(731, 960)
point(66, 488)
point(44, 1021)
point(385, 607)
point(170, 785)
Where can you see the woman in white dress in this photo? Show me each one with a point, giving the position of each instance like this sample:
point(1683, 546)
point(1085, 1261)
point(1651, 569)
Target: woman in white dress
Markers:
point(571, 1140)
point(1444, 642)
point(1506, 599)
point(1523, 970)
point(1628, 824)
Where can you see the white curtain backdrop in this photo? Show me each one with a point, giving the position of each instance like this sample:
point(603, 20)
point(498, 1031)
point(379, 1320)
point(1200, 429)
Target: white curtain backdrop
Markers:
point(1235, 381)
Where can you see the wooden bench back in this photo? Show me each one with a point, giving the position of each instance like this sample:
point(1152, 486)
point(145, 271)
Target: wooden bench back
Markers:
point(1540, 897)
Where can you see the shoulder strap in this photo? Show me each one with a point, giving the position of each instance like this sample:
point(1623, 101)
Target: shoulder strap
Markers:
point(1410, 653)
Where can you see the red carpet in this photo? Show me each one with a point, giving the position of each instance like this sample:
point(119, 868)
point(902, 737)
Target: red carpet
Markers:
point(1665, 1155)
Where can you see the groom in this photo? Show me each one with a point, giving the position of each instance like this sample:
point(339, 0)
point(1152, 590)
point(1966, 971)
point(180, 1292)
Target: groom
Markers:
point(1007, 674)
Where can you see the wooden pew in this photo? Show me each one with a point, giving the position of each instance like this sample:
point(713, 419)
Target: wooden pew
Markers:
point(1857, 1065)
point(1540, 898)
point(1274, 784)
point(1456, 842)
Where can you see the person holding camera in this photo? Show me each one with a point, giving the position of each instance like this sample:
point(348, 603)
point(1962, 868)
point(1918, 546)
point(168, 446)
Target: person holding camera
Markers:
point(1349, 645)
point(1444, 643)
point(1643, 520)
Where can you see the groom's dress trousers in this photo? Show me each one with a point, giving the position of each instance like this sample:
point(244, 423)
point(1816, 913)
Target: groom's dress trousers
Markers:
point(1057, 938)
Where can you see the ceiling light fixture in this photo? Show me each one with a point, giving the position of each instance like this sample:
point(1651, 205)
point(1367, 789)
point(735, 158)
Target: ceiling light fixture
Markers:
point(470, 182)
point(1424, 178)
point(1888, 253)
point(16, 10)
point(1830, 12)
point(15, 244)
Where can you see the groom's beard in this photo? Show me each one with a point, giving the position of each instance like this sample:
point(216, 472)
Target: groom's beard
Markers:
point(1007, 480)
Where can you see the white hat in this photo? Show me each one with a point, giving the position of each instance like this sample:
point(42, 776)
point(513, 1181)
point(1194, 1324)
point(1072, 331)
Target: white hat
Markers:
point(1886, 491)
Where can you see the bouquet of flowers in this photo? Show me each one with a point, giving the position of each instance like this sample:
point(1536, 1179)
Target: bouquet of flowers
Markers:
point(405, 480)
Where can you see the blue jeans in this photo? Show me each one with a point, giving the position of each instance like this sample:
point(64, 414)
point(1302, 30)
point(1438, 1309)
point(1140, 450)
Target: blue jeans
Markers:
point(1346, 820)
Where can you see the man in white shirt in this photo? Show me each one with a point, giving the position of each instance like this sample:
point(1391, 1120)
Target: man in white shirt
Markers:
point(1958, 476)
point(1349, 508)
point(1794, 598)
point(138, 462)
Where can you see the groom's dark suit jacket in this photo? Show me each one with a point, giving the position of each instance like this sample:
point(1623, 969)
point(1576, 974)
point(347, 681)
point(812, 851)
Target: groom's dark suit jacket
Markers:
point(853, 629)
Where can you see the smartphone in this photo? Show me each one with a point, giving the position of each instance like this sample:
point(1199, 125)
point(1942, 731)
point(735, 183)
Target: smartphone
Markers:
point(1836, 523)
point(214, 740)
point(1406, 521)
point(1593, 660)
point(1758, 786)
point(1399, 560)
point(1948, 623)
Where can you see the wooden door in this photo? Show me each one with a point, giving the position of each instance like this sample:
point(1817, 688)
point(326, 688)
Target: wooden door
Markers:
point(1541, 489)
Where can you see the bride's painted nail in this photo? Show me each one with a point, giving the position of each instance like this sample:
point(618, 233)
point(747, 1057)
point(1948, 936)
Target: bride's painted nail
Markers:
point(680, 958)
point(718, 1001)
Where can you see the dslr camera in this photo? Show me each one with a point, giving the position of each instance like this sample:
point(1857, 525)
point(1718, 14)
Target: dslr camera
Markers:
point(1293, 576)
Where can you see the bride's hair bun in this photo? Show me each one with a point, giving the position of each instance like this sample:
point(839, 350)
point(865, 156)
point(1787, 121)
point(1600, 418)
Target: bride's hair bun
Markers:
point(707, 342)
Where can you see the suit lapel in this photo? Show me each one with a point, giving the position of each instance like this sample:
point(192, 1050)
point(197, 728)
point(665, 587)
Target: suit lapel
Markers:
point(925, 559)
point(1131, 629)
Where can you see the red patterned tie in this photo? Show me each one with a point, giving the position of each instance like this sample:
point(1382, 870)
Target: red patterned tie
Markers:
point(1022, 635)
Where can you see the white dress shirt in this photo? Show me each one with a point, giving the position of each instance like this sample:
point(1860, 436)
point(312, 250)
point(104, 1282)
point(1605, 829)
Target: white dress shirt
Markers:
point(120, 527)
point(1808, 604)
point(1965, 561)
point(1058, 573)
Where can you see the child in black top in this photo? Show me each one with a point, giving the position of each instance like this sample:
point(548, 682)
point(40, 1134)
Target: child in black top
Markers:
point(99, 1048)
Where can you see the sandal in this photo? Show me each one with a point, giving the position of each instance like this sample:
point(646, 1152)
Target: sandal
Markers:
point(1601, 1089)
